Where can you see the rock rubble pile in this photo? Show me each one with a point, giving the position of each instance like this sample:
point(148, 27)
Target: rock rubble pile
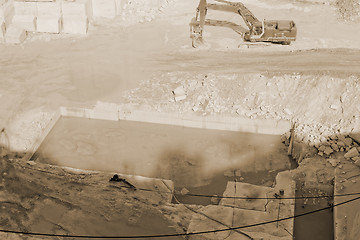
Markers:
point(139, 11)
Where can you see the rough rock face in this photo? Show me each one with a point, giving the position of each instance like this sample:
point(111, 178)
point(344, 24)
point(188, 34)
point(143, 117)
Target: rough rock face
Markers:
point(50, 199)
point(348, 9)
point(135, 11)
point(231, 213)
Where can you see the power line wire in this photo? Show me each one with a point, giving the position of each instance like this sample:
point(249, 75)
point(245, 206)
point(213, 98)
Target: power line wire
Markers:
point(179, 234)
point(205, 215)
point(232, 197)
point(247, 198)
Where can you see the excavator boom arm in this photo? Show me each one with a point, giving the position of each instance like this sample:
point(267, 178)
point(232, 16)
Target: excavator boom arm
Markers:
point(273, 31)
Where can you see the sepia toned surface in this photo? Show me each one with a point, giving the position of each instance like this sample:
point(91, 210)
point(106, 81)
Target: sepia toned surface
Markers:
point(138, 54)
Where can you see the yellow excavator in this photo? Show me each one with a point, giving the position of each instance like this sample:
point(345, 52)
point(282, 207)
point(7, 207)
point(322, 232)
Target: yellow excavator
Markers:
point(274, 31)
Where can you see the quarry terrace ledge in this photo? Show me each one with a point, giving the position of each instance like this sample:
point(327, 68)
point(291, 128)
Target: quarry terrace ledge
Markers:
point(227, 123)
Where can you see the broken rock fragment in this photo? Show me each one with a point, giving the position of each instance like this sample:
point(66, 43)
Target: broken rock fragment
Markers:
point(348, 141)
point(352, 153)
point(355, 137)
point(333, 162)
point(179, 94)
point(328, 150)
point(335, 147)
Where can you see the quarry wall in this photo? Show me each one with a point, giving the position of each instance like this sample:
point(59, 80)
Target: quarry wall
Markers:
point(18, 17)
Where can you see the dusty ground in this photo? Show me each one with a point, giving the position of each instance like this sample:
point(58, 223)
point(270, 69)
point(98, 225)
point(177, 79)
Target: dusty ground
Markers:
point(313, 82)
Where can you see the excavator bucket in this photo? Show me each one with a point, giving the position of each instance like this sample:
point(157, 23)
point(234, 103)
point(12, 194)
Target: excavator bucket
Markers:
point(197, 24)
point(275, 31)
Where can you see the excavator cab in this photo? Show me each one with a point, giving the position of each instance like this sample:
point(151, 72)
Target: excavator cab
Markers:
point(275, 31)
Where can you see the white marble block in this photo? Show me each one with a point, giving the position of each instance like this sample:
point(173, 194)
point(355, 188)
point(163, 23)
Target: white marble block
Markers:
point(119, 5)
point(25, 8)
point(15, 35)
point(7, 12)
point(2, 31)
point(80, 8)
point(27, 22)
point(75, 25)
point(104, 8)
point(49, 9)
point(48, 24)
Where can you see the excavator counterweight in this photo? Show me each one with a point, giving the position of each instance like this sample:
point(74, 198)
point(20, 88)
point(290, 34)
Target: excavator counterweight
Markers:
point(275, 31)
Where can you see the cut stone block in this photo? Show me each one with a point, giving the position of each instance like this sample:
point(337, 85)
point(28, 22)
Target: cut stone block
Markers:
point(28, 23)
point(80, 8)
point(119, 5)
point(7, 12)
point(75, 25)
point(49, 9)
point(227, 216)
point(245, 190)
point(104, 8)
point(15, 35)
point(48, 24)
point(2, 31)
point(346, 216)
point(25, 8)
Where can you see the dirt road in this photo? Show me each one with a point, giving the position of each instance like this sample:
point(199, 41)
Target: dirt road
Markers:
point(335, 61)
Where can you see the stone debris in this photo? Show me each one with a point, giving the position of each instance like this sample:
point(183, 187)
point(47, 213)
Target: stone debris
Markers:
point(333, 143)
point(333, 162)
point(179, 93)
point(353, 152)
point(328, 150)
point(184, 191)
point(348, 141)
